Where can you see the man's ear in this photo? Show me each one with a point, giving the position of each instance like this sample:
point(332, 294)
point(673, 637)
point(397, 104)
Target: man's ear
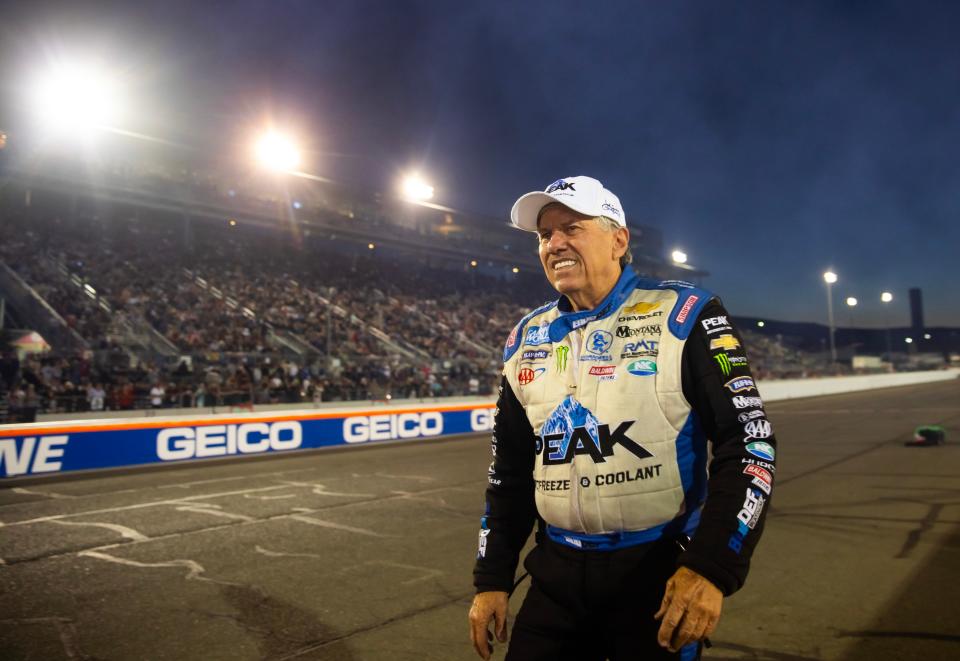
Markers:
point(620, 242)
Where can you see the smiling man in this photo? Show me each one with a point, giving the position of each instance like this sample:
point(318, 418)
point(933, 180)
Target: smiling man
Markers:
point(609, 398)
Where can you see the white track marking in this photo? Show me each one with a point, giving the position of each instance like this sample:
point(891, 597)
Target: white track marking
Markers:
point(194, 568)
point(156, 503)
point(321, 490)
point(418, 478)
point(282, 554)
point(187, 485)
point(2, 561)
point(201, 509)
point(428, 572)
point(335, 526)
point(288, 495)
point(124, 531)
point(48, 494)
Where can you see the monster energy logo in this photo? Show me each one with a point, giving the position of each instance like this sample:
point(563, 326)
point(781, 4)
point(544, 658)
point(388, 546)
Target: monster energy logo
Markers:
point(562, 352)
point(724, 363)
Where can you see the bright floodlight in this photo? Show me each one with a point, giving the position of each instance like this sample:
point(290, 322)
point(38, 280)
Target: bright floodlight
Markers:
point(908, 340)
point(830, 277)
point(75, 96)
point(415, 188)
point(886, 297)
point(679, 257)
point(760, 324)
point(277, 152)
point(926, 336)
point(851, 301)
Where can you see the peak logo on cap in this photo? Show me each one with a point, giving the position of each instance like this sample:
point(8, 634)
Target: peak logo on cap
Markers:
point(584, 195)
point(561, 185)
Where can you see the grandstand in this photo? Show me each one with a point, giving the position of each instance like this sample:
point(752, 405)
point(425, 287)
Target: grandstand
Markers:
point(163, 288)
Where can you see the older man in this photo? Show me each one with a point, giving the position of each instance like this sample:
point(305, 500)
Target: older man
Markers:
point(608, 398)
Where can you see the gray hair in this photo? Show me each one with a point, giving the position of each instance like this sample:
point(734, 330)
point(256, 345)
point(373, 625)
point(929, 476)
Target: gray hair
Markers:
point(610, 225)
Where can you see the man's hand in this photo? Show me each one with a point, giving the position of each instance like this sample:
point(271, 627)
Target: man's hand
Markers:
point(690, 609)
point(487, 606)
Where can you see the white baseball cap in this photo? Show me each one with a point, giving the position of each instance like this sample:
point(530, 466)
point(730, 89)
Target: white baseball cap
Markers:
point(584, 195)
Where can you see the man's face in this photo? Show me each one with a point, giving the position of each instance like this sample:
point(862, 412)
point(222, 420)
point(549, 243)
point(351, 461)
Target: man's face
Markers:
point(579, 257)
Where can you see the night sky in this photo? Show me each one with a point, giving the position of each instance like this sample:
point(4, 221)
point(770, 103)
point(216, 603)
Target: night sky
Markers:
point(769, 140)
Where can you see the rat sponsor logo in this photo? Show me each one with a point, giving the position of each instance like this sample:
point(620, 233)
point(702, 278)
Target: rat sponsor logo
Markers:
point(640, 348)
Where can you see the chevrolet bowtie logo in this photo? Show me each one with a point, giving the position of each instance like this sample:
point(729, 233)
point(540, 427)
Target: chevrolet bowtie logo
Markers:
point(728, 342)
point(640, 308)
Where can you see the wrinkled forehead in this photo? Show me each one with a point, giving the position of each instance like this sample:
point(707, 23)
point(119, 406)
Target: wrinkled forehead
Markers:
point(559, 215)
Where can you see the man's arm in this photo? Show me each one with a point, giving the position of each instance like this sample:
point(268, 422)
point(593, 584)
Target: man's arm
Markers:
point(510, 509)
point(508, 518)
point(718, 383)
point(719, 386)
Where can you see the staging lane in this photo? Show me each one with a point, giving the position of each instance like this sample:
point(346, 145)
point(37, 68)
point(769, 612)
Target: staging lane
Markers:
point(367, 554)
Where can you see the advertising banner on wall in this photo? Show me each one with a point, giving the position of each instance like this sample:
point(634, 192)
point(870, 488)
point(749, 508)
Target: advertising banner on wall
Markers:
point(64, 447)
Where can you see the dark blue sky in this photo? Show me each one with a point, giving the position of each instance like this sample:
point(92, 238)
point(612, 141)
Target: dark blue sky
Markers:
point(770, 140)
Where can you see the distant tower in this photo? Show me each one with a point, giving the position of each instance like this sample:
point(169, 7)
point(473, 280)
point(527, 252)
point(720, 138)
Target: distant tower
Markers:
point(916, 311)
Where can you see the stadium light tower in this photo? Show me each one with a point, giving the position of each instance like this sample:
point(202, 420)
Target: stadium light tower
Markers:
point(830, 278)
point(679, 257)
point(277, 152)
point(75, 97)
point(886, 297)
point(416, 189)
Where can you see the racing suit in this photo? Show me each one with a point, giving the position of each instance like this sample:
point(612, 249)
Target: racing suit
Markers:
point(600, 437)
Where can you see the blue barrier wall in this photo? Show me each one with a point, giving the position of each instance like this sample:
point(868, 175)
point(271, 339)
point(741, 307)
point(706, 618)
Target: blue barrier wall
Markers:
point(64, 447)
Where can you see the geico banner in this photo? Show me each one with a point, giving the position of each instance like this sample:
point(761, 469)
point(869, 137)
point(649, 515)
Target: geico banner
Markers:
point(62, 447)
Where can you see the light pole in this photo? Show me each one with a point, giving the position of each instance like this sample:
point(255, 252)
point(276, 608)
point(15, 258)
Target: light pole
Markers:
point(886, 297)
point(852, 303)
point(830, 278)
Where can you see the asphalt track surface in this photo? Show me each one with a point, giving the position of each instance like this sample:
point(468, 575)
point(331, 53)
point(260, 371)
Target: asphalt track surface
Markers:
point(367, 553)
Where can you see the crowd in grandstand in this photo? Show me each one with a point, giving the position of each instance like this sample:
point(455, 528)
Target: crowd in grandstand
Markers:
point(373, 326)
